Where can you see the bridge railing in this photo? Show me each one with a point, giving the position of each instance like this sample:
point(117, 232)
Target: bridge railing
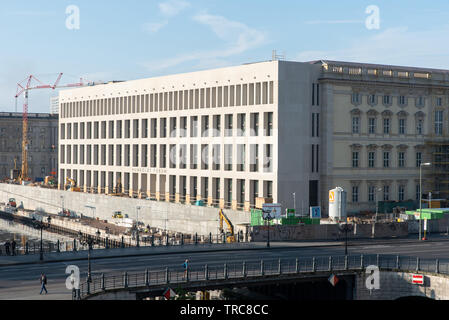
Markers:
point(257, 269)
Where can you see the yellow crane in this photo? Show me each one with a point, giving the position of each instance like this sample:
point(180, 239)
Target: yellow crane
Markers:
point(24, 87)
point(230, 237)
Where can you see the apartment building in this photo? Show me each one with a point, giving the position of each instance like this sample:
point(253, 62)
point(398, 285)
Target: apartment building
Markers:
point(230, 137)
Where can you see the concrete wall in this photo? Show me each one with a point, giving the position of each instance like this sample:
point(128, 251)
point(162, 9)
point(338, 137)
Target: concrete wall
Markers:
point(433, 226)
point(327, 232)
point(395, 285)
point(175, 217)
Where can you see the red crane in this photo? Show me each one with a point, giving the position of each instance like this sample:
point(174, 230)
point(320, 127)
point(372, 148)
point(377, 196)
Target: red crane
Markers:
point(32, 83)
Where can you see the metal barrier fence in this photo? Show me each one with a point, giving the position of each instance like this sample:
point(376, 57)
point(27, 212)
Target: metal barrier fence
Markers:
point(254, 269)
point(33, 247)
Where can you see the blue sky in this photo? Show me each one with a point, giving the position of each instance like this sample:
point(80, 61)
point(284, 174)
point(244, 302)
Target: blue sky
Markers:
point(125, 40)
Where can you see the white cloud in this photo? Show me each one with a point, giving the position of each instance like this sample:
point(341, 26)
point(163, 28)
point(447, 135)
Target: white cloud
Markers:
point(30, 13)
point(173, 7)
point(333, 21)
point(153, 27)
point(397, 46)
point(237, 37)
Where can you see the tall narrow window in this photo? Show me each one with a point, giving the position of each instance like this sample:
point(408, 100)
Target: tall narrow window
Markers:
point(372, 125)
point(401, 159)
point(355, 124)
point(402, 123)
point(418, 159)
point(371, 192)
point(439, 122)
point(371, 159)
point(355, 194)
point(355, 159)
point(401, 193)
point(386, 193)
point(386, 125)
point(386, 159)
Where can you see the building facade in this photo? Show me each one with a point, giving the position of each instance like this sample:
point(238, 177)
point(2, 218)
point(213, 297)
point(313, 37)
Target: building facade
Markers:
point(279, 131)
point(382, 122)
point(228, 136)
point(42, 148)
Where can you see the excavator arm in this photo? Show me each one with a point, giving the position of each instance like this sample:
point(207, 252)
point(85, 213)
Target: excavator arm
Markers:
point(230, 237)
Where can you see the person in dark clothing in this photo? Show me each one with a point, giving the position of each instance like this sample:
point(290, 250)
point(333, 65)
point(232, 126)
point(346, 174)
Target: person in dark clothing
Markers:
point(43, 280)
point(7, 246)
point(13, 247)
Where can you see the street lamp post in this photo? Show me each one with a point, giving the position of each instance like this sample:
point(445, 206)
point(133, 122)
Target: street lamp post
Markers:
point(40, 225)
point(420, 194)
point(267, 217)
point(346, 228)
point(89, 241)
point(137, 227)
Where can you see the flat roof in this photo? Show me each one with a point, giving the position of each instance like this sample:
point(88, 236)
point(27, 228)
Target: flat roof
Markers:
point(377, 66)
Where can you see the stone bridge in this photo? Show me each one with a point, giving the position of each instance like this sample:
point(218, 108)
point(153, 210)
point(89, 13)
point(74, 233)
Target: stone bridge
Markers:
point(303, 278)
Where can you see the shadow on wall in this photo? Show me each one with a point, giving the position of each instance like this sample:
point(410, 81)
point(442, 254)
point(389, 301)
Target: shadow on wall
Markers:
point(328, 232)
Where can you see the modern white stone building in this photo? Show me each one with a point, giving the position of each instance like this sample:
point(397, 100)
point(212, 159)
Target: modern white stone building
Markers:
point(227, 136)
point(240, 136)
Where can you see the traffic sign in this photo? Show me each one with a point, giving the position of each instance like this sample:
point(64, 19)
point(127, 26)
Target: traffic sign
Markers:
point(169, 293)
point(417, 279)
point(272, 209)
point(315, 212)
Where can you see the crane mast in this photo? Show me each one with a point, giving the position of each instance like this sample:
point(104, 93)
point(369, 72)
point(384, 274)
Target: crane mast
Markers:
point(23, 88)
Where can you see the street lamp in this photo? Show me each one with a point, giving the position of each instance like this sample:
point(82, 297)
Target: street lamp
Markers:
point(137, 227)
point(377, 202)
point(40, 225)
point(89, 241)
point(345, 228)
point(427, 164)
point(267, 217)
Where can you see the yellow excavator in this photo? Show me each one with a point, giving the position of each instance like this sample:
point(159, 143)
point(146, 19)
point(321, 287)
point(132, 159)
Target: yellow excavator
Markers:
point(71, 184)
point(230, 237)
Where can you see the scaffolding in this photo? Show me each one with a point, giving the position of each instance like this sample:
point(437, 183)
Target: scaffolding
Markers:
point(436, 176)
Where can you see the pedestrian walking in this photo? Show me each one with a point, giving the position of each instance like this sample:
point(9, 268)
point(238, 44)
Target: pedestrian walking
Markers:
point(13, 247)
point(43, 280)
point(186, 267)
point(7, 246)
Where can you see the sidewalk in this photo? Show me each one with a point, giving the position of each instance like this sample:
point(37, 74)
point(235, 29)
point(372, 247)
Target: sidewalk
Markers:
point(158, 250)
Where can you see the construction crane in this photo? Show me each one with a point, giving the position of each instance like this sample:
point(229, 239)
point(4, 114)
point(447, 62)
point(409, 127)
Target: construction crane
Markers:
point(23, 87)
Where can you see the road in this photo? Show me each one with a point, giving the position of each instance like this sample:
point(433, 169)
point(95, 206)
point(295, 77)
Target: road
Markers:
point(22, 282)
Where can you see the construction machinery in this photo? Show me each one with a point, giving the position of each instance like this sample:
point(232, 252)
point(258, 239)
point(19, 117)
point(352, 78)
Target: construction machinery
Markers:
point(50, 181)
point(119, 215)
point(230, 237)
point(24, 87)
point(12, 202)
point(71, 185)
